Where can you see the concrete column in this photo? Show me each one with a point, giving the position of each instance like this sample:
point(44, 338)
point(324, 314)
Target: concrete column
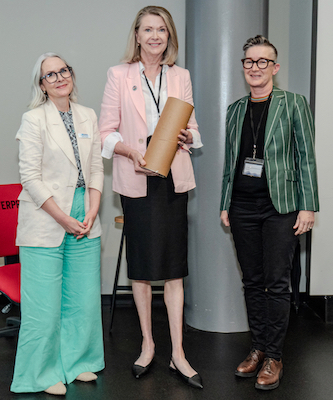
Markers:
point(215, 33)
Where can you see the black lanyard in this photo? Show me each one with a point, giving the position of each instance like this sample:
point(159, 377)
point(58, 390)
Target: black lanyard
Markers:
point(255, 133)
point(157, 103)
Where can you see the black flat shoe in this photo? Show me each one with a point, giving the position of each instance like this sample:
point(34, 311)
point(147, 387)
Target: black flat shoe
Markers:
point(138, 370)
point(195, 381)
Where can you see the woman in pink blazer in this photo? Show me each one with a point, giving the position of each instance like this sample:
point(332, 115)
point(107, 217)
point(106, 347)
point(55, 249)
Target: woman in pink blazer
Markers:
point(155, 209)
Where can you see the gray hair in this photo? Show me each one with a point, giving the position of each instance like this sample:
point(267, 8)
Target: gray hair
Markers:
point(38, 97)
point(259, 40)
point(132, 53)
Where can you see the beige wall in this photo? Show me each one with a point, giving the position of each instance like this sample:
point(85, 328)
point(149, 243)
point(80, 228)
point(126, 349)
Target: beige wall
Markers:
point(289, 30)
point(322, 238)
point(91, 36)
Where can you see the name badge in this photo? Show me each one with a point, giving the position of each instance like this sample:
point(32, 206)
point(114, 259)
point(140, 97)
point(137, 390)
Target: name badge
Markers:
point(84, 135)
point(253, 167)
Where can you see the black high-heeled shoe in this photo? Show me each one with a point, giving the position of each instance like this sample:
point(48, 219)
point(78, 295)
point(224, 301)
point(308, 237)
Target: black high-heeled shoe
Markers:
point(138, 370)
point(195, 381)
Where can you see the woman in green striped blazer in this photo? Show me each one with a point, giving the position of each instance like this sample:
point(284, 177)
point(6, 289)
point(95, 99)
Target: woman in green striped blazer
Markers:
point(269, 196)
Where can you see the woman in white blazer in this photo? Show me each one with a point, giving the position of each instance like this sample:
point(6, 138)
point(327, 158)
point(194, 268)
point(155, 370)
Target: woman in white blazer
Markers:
point(58, 232)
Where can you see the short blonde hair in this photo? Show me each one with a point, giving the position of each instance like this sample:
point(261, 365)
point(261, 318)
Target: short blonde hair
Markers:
point(38, 96)
point(170, 55)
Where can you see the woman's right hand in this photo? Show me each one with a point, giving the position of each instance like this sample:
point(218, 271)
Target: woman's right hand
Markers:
point(137, 158)
point(72, 226)
point(139, 162)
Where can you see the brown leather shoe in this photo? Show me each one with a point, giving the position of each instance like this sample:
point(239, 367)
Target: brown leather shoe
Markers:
point(250, 366)
point(269, 375)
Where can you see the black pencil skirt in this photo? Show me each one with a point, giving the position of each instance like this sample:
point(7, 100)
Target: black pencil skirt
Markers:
point(156, 232)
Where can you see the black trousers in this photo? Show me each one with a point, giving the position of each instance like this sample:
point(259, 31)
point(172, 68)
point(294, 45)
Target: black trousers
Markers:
point(265, 243)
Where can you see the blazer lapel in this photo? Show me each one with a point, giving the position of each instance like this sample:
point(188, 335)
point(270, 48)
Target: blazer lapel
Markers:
point(135, 89)
point(82, 126)
point(239, 116)
point(274, 113)
point(173, 83)
point(58, 130)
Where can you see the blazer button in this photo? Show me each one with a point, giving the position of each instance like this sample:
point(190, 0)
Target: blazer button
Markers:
point(55, 186)
point(140, 141)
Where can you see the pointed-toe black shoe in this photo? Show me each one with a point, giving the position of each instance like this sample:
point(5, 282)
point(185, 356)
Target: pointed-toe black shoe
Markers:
point(195, 381)
point(138, 370)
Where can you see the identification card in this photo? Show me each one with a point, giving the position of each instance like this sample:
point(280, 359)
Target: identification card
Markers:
point(84, 135)
point(253, 167)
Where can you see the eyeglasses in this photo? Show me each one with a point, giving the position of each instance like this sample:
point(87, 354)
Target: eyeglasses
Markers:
point(262, 63)
point(52, 77)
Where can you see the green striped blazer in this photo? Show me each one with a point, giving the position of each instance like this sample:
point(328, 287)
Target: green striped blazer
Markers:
point(289, 152)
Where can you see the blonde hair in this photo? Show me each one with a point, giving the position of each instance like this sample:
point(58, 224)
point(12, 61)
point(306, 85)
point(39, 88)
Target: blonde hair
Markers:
point(38, 96)
point(132, 53)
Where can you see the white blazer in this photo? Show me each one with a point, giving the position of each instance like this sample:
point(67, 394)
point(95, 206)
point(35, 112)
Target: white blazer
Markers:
point(48, 169)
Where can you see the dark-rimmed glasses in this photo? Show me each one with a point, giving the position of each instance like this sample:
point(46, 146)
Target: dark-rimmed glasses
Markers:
point(262, 63)
point(52, 77)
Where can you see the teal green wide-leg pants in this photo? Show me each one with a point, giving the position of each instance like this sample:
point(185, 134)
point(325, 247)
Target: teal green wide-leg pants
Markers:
point(61, 327)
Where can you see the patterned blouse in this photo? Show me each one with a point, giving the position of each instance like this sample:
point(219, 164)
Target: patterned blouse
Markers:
point(67, 117)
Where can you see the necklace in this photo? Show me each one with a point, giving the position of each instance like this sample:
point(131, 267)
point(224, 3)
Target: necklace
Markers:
point(259, 99)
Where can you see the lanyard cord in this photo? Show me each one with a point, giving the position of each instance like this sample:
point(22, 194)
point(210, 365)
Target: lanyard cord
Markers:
point(255, 133)
point(157, 103)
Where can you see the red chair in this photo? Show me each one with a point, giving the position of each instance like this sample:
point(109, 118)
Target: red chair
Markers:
point(10, 272)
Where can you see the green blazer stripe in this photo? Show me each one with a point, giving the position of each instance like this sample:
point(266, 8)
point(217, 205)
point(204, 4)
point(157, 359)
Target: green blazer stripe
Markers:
point(307, 126)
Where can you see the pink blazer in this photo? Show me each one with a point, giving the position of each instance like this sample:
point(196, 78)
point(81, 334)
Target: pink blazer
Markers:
point(123, 110)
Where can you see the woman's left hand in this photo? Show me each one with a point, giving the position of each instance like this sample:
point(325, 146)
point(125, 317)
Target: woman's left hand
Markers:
point(88, 223)
point(304, 222)
point(89, 219)
point(185, 137)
